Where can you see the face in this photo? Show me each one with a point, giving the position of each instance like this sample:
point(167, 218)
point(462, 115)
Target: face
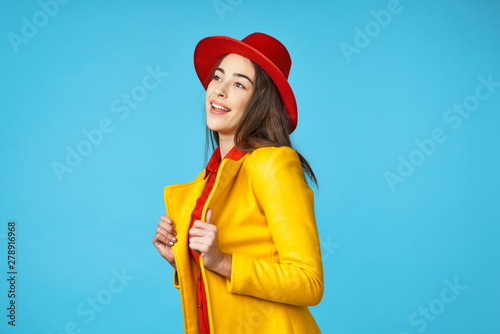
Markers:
point(228, 93)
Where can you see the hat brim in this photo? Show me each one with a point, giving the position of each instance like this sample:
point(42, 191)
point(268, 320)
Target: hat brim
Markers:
point(210, 49)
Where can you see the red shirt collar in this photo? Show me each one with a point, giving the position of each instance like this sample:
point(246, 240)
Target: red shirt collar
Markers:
point(215, 159)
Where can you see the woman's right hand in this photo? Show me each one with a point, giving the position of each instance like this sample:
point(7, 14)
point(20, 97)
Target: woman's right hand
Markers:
point(165, 238)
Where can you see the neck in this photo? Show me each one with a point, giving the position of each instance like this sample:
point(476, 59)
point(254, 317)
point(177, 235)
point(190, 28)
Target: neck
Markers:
point(226, 143)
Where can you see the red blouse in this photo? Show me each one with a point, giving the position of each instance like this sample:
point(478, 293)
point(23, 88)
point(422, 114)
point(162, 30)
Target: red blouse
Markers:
point(211, 172)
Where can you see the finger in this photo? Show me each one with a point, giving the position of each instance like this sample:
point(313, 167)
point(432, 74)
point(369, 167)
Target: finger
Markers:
point(197, 247)
point(170, 239)
point(165, 230)
point(196, 232)
point(165, 238)
point(159, 240)
point(208, 239)
point(167, 227)
point(167, 219)
point(197, 240)
point(200, 224)
point(204, 226)
point(202, 229)
point(208, 216)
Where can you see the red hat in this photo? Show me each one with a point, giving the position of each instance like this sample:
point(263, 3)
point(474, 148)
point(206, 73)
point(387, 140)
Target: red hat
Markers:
point(263, 49)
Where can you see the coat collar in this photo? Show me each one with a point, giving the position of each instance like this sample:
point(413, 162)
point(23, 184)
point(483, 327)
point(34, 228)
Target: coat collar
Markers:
point(227, 171)
point(215, 160)
point(178, 195)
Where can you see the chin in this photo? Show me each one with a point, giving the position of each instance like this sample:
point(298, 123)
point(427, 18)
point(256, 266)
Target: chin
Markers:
point(222, 130)
point(213, 126)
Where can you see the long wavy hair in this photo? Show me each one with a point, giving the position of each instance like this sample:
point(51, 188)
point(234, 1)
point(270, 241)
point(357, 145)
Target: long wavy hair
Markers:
point(264, 121)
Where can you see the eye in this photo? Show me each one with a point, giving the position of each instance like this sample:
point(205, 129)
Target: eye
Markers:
point(239, 85)
point(216, 77)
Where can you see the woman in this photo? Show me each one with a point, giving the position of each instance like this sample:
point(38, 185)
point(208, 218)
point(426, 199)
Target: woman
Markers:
point(242, 236)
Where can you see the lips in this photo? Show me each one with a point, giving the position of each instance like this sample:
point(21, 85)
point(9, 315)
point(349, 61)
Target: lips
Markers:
point(218, 108)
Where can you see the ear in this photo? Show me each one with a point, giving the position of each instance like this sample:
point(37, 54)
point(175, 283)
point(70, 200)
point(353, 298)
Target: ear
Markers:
point(208, 216)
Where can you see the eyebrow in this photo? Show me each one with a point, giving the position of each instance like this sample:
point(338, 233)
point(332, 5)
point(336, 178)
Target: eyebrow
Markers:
point(235, 74)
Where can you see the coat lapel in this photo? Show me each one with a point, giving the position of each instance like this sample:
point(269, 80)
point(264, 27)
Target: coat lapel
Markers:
point(227, 171)
point(180, 201)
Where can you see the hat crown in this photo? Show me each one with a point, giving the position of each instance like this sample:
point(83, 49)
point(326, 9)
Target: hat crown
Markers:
point(273, 49)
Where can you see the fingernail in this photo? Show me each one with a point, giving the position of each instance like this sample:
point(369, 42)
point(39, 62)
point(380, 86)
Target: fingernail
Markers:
point(171, 243)
point(174, 239)
point(173, 225)
point(174, 233)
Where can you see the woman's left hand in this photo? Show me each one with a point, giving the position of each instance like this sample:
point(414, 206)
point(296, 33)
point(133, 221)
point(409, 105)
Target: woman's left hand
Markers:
point(204, 242)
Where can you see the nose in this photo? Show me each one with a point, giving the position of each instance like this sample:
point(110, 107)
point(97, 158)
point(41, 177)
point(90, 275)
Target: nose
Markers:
point(220, 91)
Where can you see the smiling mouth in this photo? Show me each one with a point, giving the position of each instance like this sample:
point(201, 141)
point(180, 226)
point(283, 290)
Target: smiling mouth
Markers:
point(218, 107)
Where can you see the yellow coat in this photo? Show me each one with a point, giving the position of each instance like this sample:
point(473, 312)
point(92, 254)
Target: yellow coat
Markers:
point(264, 212)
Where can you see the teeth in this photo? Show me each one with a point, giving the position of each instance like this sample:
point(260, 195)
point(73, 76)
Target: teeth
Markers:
point(219, 107)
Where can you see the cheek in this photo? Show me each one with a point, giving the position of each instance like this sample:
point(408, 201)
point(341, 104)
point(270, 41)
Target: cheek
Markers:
point(243, 100)
point(208, 93)
point(210, 88)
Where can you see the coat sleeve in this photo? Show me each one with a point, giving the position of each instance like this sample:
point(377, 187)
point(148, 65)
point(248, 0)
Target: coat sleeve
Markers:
point(288, 204)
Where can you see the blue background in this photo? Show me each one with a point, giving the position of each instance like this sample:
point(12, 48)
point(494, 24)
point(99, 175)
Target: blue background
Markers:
point(390, 250)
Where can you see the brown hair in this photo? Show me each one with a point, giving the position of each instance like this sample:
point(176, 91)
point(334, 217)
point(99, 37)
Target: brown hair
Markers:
point(264, 122)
